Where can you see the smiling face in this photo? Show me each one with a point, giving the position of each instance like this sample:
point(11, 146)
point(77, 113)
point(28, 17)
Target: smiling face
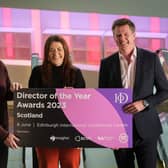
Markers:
point(56, 53)
point(124, 38)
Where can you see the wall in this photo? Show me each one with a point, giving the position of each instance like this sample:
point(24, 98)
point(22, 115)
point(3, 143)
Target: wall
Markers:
point(22, 73)
point(130, 7)
point(19, 74)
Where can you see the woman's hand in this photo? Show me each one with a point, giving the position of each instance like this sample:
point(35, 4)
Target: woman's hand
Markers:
point(15, 86)
point(11, 141)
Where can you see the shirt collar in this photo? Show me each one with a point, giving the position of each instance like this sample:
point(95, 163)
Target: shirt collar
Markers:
point(133, 56)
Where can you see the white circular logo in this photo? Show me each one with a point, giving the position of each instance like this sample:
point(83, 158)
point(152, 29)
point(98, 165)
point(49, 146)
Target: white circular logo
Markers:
point(121, 97)
point(123, 138)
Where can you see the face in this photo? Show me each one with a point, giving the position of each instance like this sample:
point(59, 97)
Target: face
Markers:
point(56, 53)
point(124, 38)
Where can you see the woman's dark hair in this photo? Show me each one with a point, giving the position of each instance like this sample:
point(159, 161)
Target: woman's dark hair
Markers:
point(68, 69)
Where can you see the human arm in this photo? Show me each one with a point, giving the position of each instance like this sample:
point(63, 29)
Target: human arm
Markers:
point(5, 94)
point(35, 78)
point(154, 77)
point(161, 84)
point(79, 80)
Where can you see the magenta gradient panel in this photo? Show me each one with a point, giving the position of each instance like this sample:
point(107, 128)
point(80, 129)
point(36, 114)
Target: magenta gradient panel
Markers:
point(97, 115)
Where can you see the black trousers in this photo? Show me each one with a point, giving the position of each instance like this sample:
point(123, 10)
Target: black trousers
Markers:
point(145, 152)
point(35, 160)
point(3, 155)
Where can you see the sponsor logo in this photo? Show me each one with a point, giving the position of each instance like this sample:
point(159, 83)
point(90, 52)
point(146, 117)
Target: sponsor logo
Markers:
point(80, 138)
point(105, 138)
point(54, 138)
point(121, 97)
point(123, 138)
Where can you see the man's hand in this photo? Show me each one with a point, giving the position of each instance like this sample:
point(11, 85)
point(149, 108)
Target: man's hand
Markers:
point(134, 107)
point(11, 141)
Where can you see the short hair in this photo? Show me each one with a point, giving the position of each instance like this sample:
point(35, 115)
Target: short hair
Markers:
point(122, 22)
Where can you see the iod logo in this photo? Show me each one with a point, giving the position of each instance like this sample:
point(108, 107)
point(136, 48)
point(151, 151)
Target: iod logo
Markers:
point(121, 97)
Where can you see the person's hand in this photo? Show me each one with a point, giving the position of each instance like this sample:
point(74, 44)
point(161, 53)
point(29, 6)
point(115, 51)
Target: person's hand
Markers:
point(15, 86)
point(11, 141)
point(134, 107)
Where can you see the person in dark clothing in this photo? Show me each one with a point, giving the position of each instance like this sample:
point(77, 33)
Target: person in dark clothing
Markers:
point(163, 53)
point(140, 70)
point(57, 71)
point(6, 93)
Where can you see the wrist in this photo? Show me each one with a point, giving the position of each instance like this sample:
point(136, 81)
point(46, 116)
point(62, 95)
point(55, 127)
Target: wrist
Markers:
point(145, 103)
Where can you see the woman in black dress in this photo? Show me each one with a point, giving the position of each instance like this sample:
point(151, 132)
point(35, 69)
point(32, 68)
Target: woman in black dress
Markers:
point(6, 93)
point(57, 71)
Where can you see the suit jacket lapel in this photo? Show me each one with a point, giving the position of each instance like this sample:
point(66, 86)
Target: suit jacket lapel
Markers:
point(118, 71)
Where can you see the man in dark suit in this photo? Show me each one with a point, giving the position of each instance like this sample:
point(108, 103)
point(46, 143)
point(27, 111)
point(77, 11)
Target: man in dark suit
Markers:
point(139, 69)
